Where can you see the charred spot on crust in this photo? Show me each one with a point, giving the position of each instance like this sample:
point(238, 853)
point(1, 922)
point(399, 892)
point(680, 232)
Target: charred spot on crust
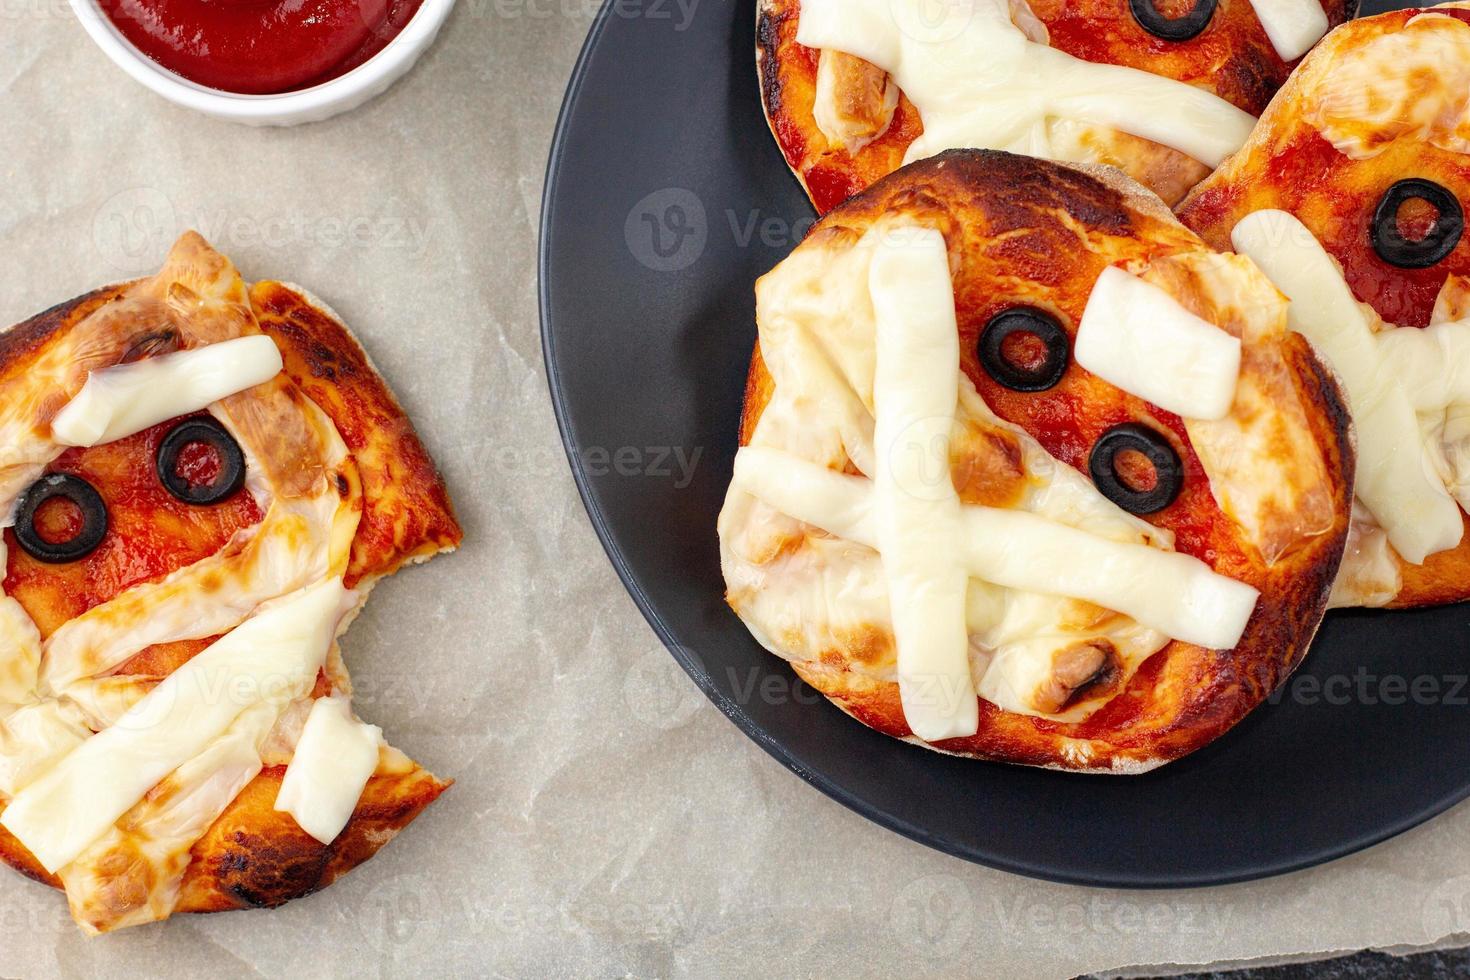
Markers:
point(768, 40)
point(264, 874)
point(1037, 186)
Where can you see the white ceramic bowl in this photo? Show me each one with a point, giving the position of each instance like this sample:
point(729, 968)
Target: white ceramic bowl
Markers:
point(323, 101)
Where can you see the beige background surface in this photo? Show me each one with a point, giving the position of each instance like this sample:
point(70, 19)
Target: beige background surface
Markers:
point(607, 820)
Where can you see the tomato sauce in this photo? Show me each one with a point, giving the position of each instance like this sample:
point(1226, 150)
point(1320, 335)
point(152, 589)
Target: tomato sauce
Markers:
point(1069, 419)
point(260, 47)
point(150, 533)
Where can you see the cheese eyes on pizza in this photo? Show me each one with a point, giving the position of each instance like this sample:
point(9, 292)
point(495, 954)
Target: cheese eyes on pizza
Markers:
point(201, 482)
point(1163, 90)
point(1029, 472)
point(1350, 195)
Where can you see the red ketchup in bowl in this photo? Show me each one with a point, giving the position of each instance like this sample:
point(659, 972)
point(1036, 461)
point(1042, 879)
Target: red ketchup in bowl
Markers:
point(260, 47)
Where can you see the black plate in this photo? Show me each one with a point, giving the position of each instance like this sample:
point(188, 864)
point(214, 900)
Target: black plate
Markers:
point(647, 340)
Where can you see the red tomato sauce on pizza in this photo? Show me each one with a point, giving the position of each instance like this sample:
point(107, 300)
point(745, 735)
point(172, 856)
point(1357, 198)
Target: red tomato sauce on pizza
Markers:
point(260, 47)
point(1340, 211)
point(150, 532)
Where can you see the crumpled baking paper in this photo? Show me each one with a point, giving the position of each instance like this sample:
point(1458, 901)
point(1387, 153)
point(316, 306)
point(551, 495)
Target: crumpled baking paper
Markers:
point(606, 820)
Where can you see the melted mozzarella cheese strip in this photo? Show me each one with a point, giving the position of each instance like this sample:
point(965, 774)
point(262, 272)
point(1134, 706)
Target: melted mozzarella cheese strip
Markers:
point(124, 399)
point(977, 81)
point(20, 650)
point(1432, 363)
point(1138, 337)
point(1176, 594)
point(131, 875)
point(286, 551)
point(335, 757)
point(273, 657)
point(1412, 82)
point(1394, 478)
point(916, 512)
point(36, 737)
point(1292, 25)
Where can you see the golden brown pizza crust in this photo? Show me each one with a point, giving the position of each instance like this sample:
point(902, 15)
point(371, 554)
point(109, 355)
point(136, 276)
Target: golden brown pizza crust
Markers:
point(1287, 164)
point(1231, 58)
point(254, 856)
point(406, 512)
point(1015, 227)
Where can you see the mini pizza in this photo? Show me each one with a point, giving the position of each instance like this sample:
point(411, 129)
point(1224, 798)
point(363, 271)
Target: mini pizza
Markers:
point(853, 89)
point(1349, 195)
point(200, 484)
point(1029, 472)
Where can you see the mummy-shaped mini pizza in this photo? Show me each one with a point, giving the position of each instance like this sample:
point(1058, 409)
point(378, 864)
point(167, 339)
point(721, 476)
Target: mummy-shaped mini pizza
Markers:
point(1165, 91)
point(1030, 473)
point(1350, 196)
point(200, 483)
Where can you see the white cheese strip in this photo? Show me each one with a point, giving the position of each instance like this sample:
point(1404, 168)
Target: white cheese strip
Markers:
point(1173, 593)
point(1138, 337)
point(36, 737)
point(1176, 594)
point(1394, 479)
point(118, 401)
point(286, 551)
point(916, 512)
point(1432, 363)
point(839, 504)
point(335, 757)
point(145, 854)
point(274, 657)
point(1292, 25)
point(978, 82)
point(20, 649)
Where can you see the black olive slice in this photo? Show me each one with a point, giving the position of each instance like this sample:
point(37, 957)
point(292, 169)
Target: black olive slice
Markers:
point(1151, 19)
point(1168, 471)
point(1449, 223)
point(87, 500)
point(231, 475)
point(1024, 320)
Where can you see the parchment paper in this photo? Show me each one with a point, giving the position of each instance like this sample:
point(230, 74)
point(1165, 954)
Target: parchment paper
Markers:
point(587, 834)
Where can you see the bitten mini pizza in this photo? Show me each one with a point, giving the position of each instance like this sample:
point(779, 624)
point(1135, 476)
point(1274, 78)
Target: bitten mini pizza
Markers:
point(200, 484)
point(853, 89)
point(1029, 472)
point(1349, 195)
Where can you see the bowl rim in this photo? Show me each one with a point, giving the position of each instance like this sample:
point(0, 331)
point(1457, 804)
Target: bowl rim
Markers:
point(360, 82)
